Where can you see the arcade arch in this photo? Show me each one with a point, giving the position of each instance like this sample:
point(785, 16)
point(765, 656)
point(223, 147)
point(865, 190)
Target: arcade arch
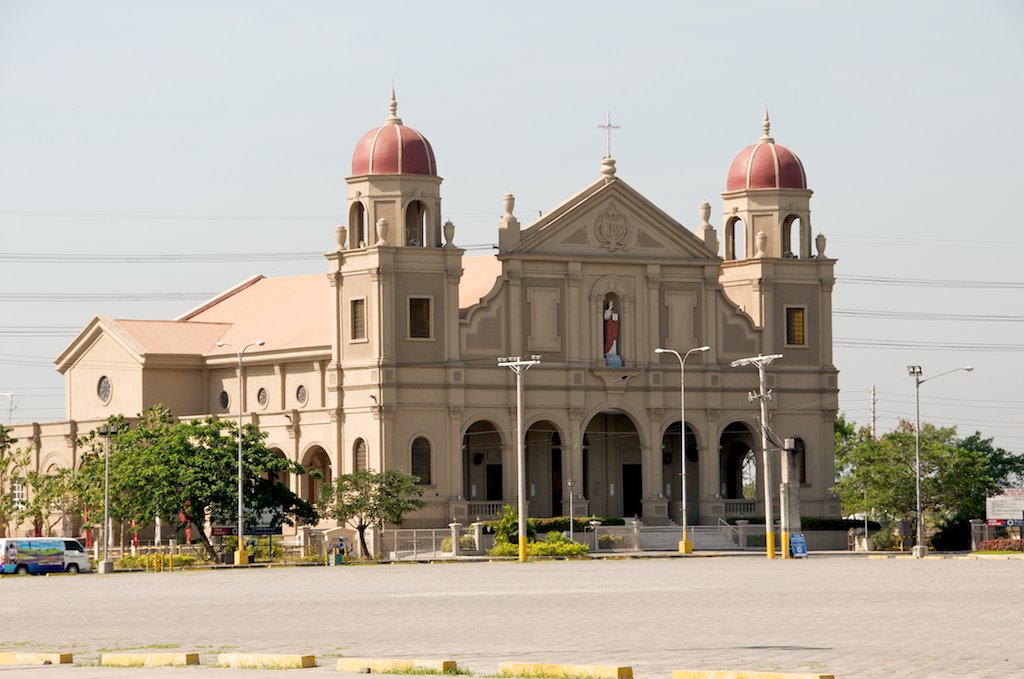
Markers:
point(613, 466)
point(315, 460)
point(482, 463)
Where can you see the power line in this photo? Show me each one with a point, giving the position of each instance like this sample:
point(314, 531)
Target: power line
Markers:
point(924, 345)
point(930, 282)
point(923, 316)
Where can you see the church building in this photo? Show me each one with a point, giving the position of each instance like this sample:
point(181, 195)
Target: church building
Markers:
point(389, 358)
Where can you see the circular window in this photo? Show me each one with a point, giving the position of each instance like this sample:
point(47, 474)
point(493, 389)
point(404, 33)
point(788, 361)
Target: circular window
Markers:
point(301, 395)
point(224, 400)
point(103, 389)
point(262, 397)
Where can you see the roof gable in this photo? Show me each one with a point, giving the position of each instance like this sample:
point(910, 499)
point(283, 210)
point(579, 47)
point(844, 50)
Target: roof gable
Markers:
point(611, 218)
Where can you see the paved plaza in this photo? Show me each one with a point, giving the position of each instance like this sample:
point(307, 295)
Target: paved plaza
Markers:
point(846, 615)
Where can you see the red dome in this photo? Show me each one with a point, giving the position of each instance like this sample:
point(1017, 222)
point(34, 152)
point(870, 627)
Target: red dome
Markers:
point(393, 148)
point(766, 165)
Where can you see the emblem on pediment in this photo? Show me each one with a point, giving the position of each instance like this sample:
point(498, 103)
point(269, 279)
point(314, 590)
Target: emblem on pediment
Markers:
point(611, 230)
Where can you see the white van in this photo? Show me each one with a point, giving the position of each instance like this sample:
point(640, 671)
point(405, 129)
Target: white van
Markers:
point(43, 555)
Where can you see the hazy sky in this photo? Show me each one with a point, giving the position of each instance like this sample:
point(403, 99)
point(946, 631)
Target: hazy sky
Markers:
point(227, 128)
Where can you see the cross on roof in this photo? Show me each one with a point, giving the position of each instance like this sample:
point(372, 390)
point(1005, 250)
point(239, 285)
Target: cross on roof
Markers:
point(608, 127)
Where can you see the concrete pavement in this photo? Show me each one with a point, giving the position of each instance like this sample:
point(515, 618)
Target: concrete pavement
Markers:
point(850, 616)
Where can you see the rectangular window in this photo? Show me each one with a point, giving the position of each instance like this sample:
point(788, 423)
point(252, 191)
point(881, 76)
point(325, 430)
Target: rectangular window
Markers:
point(796, 326)
point(419, 317)
point(359, 319)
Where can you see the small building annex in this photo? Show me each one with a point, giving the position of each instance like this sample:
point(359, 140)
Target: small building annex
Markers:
point(389, 358)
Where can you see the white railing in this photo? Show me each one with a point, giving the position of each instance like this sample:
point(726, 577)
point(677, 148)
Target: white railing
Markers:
point(740, 507)
point(484, 510)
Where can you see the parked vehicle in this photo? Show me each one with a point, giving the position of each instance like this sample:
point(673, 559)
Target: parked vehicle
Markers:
point(42, 555)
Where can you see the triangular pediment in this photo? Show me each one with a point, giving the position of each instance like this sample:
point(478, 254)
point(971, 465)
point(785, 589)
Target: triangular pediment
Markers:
point(611, 218)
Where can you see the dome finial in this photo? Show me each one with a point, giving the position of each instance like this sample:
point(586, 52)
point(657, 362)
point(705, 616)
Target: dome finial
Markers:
point(393, 107)
point(766, 127)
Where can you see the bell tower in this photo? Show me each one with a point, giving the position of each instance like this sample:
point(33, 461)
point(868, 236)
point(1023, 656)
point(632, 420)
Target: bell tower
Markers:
point(394, 178)
point(767, 203)
point(395, 289)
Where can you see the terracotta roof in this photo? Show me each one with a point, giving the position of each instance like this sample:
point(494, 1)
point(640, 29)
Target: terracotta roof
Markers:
point(174, 337)
point(478, 277)
point(286, 313)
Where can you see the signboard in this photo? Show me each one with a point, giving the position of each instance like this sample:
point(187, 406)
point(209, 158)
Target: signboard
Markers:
point(798, 546)
point(224, 531)
point(995, 522)
point(1009, 505)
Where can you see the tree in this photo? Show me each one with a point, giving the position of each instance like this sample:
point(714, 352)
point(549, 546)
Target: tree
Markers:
point(169, 469)
point(368, 498)
point(51, 492)
point(14, 466)
point(877, 475)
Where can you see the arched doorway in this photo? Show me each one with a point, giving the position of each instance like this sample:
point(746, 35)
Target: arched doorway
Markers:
point(284, 478)
point(613, 466)
point(544, 469)
point(672, 469)
point(739, 469)
point(316, 460)
point(481, 464)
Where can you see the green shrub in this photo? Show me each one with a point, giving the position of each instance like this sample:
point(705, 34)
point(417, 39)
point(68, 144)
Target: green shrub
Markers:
point(465, 542)
point(884, 541)
point(554, 523)
point(609, 542)
point(133, 561)
point(812, 523)
point(953, 534)
point(554, 545)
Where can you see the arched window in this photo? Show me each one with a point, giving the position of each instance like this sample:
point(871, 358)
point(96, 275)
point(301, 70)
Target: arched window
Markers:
point(421, 461)
point(735, 232)
point(416, 224)
point(359, 462)
point(357, 226)
point(792, 237)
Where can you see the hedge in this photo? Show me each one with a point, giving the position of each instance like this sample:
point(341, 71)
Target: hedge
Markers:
point(1002, 545)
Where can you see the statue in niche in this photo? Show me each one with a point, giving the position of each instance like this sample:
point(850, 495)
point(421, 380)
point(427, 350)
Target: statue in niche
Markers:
point(611, 336)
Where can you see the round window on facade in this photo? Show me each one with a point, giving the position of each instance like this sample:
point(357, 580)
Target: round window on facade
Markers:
point(262, 397)
point(301, 395)
point(103, 389)
point(224, 400)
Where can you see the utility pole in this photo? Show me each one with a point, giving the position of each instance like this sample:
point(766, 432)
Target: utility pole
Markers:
point(760, 361)
point(874, 411)
point(519, 367)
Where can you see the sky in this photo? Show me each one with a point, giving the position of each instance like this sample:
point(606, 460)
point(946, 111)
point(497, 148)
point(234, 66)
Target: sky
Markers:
point(153, 154)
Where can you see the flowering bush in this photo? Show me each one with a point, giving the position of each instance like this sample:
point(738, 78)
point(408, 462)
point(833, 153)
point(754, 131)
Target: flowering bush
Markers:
point(1002, 545)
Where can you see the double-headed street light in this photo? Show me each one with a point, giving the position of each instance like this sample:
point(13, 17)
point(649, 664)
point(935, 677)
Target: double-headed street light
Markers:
point(241, 557)
point(519, 367)
point(106, 566)
point(920, 549)
point(685, 546)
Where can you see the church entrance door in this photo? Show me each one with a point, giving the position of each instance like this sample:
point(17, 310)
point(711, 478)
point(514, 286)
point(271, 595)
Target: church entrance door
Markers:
point(632, 490)
point(613, 467)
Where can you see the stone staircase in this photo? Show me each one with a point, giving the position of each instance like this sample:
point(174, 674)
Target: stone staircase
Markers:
point(705, 538)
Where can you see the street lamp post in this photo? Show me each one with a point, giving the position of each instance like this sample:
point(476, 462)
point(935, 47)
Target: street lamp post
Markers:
point(685, 545)
point(106, 566)
point(519, 367)
point(760, 361)
point(571, 519)
point(920, 549)
point(241, 557)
